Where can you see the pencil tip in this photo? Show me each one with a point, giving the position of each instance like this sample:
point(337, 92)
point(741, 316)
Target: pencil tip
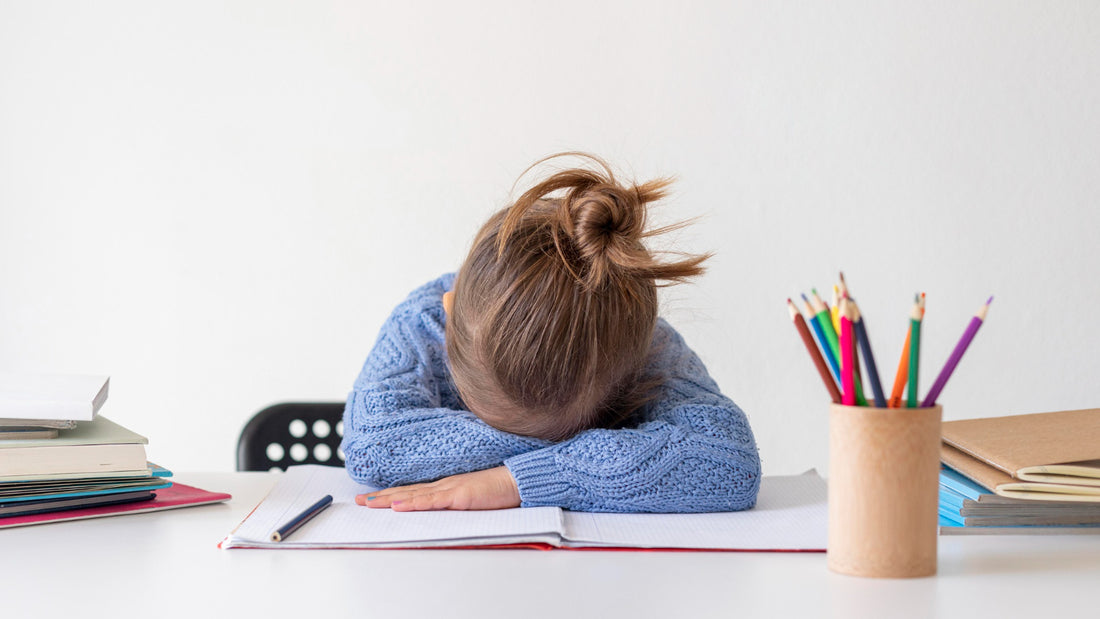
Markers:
point(804, 298)
point(990, 300)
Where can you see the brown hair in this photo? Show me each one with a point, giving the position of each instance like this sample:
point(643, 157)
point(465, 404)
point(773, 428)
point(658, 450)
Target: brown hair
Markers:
point(555, 306)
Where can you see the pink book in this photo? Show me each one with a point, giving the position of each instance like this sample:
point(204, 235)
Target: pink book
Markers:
point(178, 495)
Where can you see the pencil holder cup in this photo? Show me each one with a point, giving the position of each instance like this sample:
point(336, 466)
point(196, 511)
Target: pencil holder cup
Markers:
point(883, 490)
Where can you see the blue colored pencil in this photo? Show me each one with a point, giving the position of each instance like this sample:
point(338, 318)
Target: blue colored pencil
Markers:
point(302, 518)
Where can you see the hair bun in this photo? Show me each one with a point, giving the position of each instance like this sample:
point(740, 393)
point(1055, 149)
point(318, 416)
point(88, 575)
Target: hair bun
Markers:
point(599, 225)
point(607, 224)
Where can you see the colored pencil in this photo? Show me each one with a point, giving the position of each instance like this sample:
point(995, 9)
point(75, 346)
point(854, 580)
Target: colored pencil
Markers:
point(811, 347)
point(956, 355)
point(844, 286)
point(856, 371)
point(841, 292)
point(914, 352)
point(822, 312)
point(284, 531)
point(903, 364)
point(865, 348)
point(903, 371)
point(847, 358)
point(834, 309)
point(815, 322)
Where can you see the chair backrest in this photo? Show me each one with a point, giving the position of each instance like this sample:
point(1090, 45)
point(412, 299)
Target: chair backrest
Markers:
point(291, 433)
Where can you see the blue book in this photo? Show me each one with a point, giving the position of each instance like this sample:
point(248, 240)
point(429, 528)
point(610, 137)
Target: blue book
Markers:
point(949, 478)
point(947, 522)
point(954, 490)
point(950, 498)
point(949, 518)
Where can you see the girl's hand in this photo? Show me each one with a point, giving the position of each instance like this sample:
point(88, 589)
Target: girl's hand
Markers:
point(493, 488)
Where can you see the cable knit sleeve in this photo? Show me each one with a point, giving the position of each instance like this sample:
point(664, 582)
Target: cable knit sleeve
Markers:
point(404, 422)
point(693, 452)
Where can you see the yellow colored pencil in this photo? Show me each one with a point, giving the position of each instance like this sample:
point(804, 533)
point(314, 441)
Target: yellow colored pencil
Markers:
point(834, 310)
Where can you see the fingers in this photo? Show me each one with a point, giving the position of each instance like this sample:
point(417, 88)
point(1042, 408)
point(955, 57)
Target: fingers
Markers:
point(409, 499)
point(383, 498)
point(423, 501)
point(488, 489)
point(415, 497)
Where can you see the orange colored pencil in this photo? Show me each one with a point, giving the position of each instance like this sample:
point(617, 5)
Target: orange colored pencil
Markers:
point(902, 375)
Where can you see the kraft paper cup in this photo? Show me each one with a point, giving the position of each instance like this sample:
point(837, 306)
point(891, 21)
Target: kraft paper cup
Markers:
point(884, 468)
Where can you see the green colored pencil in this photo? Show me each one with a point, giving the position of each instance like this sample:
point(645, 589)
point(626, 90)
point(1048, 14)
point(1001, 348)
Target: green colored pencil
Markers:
point(822, 312)
point(914, 351)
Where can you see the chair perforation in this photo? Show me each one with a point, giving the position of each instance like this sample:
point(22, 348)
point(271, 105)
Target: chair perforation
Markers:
point(292, 433)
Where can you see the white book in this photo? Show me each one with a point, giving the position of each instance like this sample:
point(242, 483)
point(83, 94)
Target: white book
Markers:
point(51, 396)
point(790, 514)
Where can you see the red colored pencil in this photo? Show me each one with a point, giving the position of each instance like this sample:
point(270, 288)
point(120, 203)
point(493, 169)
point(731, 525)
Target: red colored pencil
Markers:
point(847, 356)
point(815, 354)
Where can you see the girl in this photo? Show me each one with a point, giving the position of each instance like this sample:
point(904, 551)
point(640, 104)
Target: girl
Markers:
point(541, 374)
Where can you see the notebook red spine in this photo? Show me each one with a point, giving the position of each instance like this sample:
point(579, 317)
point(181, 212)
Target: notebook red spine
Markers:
point(178, 495)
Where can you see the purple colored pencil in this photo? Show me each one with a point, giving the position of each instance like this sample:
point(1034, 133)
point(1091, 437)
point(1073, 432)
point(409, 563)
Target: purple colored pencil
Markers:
point(956, 355)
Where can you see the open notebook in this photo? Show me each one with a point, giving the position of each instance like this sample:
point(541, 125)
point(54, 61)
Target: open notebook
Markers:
point(790, 515)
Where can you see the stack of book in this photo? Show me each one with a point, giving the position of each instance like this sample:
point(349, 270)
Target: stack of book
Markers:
point(59, 456)
point(1036, 473)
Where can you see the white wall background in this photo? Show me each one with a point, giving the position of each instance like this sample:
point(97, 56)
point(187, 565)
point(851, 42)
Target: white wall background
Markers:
point(218, 203)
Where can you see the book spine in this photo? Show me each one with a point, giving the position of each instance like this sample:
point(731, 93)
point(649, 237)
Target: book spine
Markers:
point(47, 410)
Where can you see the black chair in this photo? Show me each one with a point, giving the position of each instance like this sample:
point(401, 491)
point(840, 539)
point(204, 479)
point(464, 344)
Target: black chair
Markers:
point(291, 433)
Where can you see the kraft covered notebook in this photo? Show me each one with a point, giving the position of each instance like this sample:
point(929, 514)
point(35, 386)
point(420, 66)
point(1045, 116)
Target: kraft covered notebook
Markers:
point(1046, 456)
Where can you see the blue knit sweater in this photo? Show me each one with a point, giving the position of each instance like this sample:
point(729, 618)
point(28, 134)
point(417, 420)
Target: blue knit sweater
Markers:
point(691, 450)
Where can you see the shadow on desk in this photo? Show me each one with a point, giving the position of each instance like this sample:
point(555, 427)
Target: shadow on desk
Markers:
point(1006, 554)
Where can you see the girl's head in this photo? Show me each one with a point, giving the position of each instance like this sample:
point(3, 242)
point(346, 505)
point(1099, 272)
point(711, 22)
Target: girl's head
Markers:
point(553, 311)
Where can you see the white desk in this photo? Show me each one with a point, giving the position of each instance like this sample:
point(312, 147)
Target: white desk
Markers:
point(166, 564)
